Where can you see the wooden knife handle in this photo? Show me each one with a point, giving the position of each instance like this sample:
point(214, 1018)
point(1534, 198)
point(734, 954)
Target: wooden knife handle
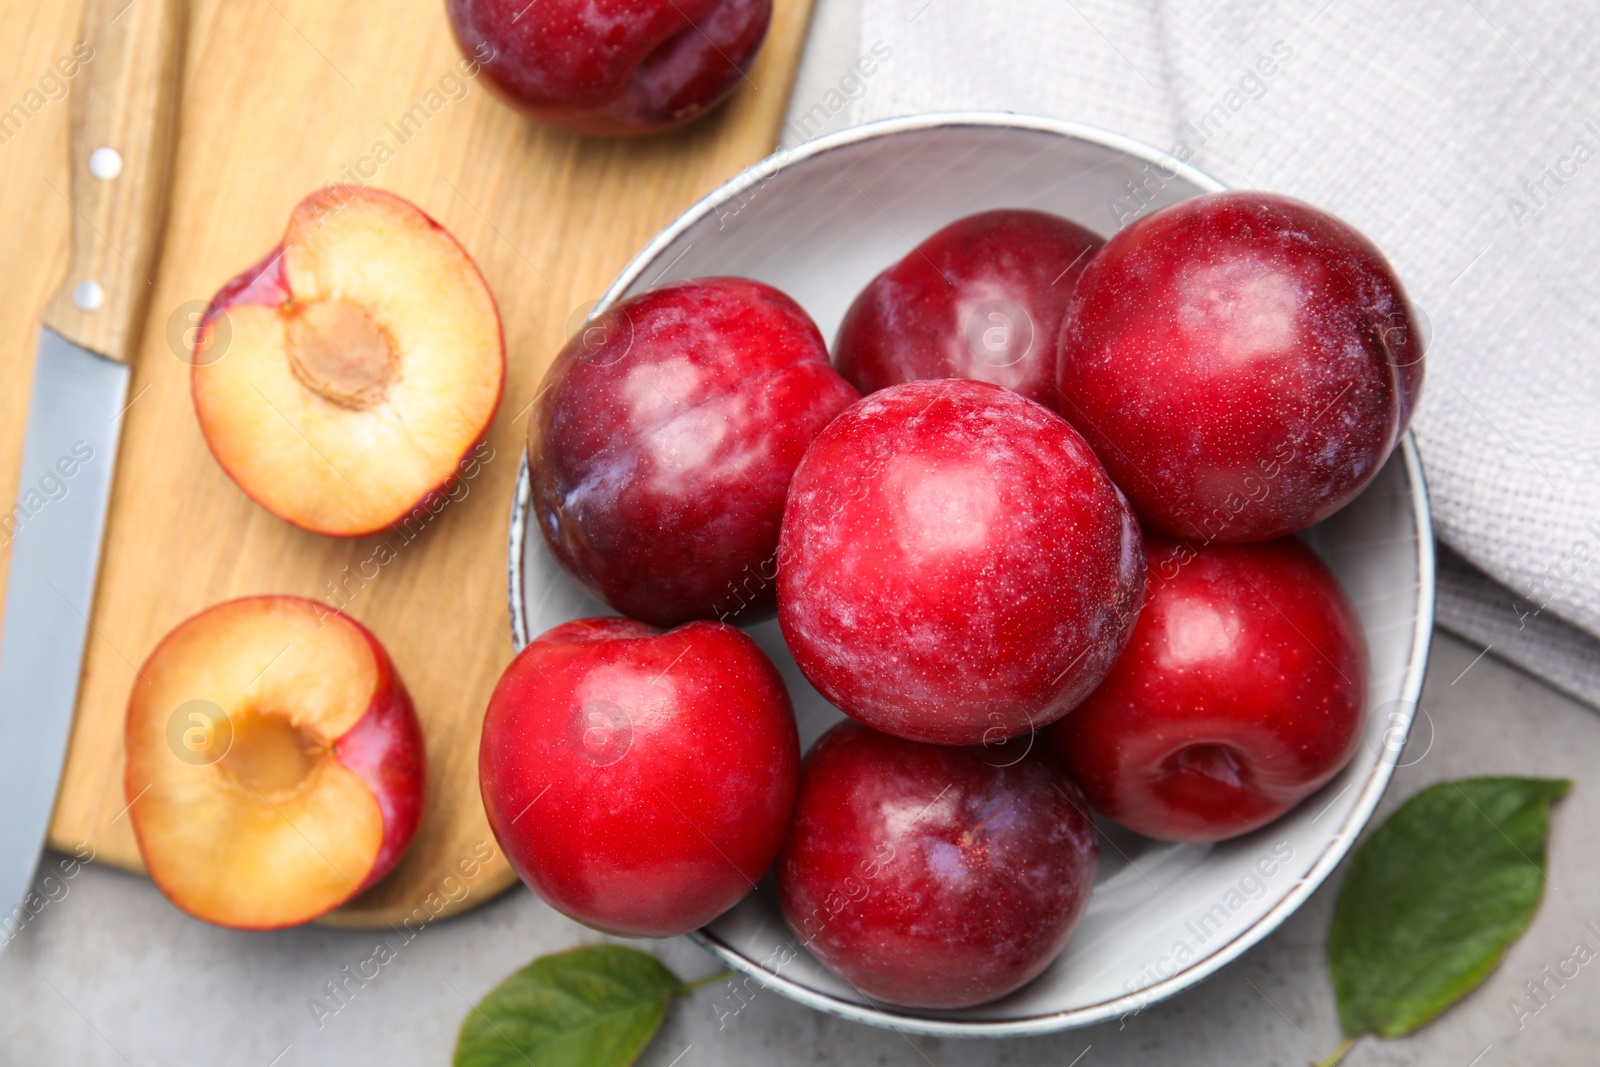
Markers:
point(124, 106)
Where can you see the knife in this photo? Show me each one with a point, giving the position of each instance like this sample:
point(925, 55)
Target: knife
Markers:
point(123, 107)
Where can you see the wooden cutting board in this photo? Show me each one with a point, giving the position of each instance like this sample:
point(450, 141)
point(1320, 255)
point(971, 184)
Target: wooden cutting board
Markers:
point(281, 97)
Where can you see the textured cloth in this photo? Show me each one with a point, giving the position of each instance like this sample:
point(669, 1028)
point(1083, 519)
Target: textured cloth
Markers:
point(1459, 135)
point(1481, 610)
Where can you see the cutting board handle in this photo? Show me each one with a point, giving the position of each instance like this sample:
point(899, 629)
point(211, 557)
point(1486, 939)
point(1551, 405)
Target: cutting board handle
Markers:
point(124, 107)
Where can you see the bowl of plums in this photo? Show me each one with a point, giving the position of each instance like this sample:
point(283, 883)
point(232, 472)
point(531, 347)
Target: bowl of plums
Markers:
point(971, 573)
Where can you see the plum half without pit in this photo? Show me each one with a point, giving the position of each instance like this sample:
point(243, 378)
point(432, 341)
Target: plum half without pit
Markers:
point(275, 762)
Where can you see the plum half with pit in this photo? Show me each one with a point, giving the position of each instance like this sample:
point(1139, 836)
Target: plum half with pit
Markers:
point(931, 875)
point(982, 298)
point(955, 567)
point(664, 440)
point(343, 381)
point(1242, 362)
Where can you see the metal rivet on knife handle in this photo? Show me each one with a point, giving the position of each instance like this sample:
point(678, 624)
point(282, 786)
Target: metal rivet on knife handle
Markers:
point(105, 163)
point(88, 295)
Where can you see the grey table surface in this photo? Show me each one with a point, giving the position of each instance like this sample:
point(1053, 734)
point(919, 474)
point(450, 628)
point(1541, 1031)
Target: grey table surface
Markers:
point(111, 974)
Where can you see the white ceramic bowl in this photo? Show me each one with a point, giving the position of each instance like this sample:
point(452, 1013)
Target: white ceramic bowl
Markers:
point(820, 221)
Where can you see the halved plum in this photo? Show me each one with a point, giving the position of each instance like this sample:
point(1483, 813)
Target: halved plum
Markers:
point(275, 762)
point(365, 359)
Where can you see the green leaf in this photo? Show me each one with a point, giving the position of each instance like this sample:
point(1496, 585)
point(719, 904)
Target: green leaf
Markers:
point(1434, 897)
point(591, 1006)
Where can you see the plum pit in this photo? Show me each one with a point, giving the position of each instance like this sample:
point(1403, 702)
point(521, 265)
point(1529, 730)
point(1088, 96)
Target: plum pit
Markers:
point(338, 352)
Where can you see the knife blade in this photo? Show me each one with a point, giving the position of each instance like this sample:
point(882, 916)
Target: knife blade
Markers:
point(122, 118)
point(67, 459)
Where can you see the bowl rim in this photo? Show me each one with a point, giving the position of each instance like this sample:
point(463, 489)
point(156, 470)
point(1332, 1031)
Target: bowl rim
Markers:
point(1372, 789)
